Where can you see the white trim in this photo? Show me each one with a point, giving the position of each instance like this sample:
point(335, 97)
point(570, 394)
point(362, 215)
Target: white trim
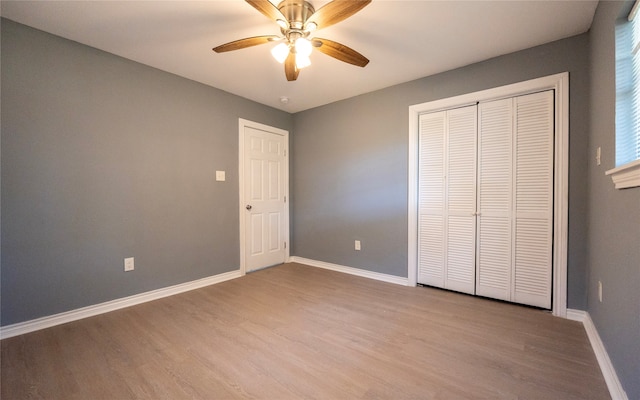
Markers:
point(398, 280)
point(576, 315)
point(90, 311)
point(242, 123)
point(626, 176)
point(559, 83)
point(412, 193)
point(608, 371)
point(633, 12)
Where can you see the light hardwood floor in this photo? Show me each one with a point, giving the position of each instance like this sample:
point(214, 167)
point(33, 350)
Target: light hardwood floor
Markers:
point(293, 332)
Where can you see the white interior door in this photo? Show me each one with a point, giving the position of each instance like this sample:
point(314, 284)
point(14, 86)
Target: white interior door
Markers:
point(461, 198)
point(533, 199)
point(264, 185)
point(495, 143)
point(431, 203)
point(515, 199)
point(446, 226)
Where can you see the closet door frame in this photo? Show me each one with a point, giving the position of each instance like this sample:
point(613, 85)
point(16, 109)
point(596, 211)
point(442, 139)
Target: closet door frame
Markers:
point(560, 84)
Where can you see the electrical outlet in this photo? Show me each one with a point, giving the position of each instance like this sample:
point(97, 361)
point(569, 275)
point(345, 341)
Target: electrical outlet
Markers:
point(128, 264)
point(358, 247)
point(598, 155)
point(600, 291)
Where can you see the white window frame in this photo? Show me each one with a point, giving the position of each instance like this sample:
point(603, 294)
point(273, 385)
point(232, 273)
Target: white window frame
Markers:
point(627, 175)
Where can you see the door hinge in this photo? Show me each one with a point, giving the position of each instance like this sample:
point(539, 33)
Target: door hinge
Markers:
point(285, 199)
point(285, 153)
point(285, 245)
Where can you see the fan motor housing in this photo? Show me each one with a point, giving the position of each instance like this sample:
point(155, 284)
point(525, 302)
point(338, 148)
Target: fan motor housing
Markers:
point(296, 12)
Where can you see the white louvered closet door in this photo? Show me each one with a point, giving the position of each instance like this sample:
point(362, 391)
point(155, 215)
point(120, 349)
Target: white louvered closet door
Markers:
point(493, 268)
point(485, 205)
point(446, 226)
point(431, 203)
point(515, 199)
point(460, 178)
point(533, 199)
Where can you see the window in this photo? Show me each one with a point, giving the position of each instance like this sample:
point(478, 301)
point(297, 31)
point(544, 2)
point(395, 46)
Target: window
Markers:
point(627, 171)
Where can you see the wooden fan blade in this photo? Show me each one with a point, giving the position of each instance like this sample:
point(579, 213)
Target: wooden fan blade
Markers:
point(290, 69)
point(336, 11)
point(340, 52)
point(267, 9)
point(244, 43)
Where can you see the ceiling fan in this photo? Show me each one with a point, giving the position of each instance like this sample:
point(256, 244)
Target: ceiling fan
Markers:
point(297, 19)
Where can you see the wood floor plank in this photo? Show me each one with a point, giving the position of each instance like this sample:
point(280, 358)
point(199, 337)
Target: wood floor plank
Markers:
point(294, 331)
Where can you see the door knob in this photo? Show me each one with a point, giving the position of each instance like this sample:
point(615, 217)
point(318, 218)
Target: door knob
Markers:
point(248, 207)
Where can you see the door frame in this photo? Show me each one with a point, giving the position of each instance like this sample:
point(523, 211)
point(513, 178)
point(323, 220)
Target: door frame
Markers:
point(557, 82)
point(242, 124)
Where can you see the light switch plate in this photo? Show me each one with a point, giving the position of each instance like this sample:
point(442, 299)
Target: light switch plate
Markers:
point(220, 176)
point(128, 264)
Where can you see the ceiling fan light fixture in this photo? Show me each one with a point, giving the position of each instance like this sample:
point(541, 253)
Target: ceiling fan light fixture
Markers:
point(280, 52)
point(303, 47)
point(297, 19)
point(302, 61)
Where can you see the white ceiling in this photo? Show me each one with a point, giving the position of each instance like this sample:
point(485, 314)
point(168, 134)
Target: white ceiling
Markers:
point(404, 40)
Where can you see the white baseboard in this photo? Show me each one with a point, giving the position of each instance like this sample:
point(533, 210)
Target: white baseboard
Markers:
point(613, 383)
point(352, 271)
point(80, 313)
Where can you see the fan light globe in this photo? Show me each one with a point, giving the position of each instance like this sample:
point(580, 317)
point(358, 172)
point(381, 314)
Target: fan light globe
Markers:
point(280, 52)
point(302, 61)
point(303, 47)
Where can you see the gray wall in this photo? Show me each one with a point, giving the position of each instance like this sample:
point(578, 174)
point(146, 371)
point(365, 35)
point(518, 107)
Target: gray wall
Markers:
point(614, 217)
point(104, 158)
point(349, 178)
